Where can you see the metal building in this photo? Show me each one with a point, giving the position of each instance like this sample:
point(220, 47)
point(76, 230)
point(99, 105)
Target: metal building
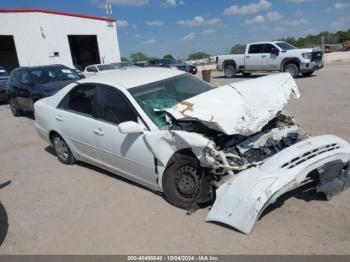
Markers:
point(30, 37)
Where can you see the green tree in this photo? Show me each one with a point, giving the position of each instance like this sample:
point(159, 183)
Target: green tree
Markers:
point(138, 57)
point(238, 49)
point(198, 55)
point(169, 56)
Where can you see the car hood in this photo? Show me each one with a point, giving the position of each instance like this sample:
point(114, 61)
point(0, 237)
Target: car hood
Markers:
point(239, 108)
point(53, 87)
point(304, 50)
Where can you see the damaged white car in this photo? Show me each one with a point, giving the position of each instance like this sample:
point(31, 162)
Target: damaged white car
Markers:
point(231, 147)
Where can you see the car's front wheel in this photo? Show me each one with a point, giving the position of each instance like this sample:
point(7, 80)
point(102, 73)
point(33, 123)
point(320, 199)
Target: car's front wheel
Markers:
point(293, 69)
point(16, 111)
point(185, 184)
point(63, 152)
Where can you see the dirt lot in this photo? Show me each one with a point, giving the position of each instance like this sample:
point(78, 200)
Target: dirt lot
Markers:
point(58, 209)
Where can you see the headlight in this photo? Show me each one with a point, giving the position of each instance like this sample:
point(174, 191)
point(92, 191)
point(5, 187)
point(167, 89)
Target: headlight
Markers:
point(307, 56)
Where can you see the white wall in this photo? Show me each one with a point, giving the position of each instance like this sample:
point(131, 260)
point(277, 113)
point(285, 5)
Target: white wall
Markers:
point(38, 35)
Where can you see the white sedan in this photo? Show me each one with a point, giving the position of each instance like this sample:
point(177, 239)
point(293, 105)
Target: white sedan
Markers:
point(230, 147)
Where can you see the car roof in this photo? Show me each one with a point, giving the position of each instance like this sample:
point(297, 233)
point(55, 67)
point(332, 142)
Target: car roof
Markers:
point(41, 66)
point(129, 77)
point(266, 42)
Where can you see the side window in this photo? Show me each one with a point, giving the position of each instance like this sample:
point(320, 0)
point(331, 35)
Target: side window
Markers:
point(256, 49)
point(81, 99)
point(114, 106)
point(91, 69)
point(268, 48)
point(17, 75)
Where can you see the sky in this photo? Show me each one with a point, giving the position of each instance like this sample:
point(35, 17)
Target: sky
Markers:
point(180, 27)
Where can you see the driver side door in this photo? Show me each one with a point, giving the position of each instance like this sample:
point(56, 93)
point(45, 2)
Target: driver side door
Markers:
point(125, 154)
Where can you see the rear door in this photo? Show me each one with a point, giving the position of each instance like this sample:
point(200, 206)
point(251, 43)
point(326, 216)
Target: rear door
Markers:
point(125, 154)
point(253, 58)
point(25, 89)
point(75, 119)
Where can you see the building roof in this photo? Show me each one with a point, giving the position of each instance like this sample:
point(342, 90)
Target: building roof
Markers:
point(55, 13)
point(129, 77)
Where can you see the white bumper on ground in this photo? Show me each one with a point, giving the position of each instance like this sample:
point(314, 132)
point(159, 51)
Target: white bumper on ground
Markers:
point(241, 200)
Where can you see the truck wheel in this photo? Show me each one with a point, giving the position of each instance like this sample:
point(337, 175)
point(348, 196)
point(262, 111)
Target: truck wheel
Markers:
point(15, 108)
point(307, 74)
point(185, 184)
point(230, 71)
point(293, 69)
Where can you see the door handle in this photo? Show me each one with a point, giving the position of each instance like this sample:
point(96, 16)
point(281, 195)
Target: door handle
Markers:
point(99, 132)
point(59, 118)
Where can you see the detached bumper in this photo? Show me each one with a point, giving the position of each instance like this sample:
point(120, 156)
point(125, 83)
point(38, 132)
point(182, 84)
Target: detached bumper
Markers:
point(241, 200)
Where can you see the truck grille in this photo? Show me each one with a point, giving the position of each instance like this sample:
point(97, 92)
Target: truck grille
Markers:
point(310, 154)
point(316, 56)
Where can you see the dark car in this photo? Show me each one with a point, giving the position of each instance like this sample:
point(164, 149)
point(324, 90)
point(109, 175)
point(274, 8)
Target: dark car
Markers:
point(29, 84)
point(173, 64)
point(4, 76)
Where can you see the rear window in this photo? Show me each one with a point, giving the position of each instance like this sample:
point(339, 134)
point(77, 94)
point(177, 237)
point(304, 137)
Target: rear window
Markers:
point(106, 67)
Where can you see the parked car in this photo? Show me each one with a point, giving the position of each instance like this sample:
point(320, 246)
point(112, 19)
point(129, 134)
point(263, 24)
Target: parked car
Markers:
point(26, 85)
point(172, 64)
point(4, 76)
point(122, 64)
point(79, 72)
point(173, 133)
point(92, 70)
point(272, 56)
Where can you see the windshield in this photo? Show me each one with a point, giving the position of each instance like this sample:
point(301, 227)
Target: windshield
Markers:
point(3, 72)
point(286, 46)
point(168, 61)
point(105, 67)
point(167, 93)
point(52, 74)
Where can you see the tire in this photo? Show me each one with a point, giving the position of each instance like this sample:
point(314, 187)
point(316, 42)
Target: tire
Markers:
point(230, 71)
point(246, 74)
point(291, 68)
point(185, 184)
point(14, 108)
point(64, 155)
point(307, 74)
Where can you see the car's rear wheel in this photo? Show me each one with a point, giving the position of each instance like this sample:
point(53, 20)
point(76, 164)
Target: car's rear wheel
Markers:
point(16, 111)
point(293, 69)
point(185, 184)
point(308, 73)
point(230, 71)
point(63, 152)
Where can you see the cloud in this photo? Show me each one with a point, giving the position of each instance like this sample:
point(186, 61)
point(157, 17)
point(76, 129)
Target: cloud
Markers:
point(199, 20)
point(296, 1)
point(154, 23)
point(171, 3)
point(122, 23)
point(337, 25)
point(189, 37)
point(149, 41)
point(252, 8)
point(296, 22)
point(271, 16)
point(101, 3)
point(137, 36)
point(340, 6)
point(208, 31)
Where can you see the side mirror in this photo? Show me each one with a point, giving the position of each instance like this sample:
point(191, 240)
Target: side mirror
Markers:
point(130, 127)
point(275, 51)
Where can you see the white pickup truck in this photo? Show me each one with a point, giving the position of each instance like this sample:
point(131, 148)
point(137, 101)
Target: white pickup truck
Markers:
point(272, 56)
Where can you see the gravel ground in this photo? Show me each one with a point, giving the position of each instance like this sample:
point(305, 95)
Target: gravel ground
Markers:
point(79, 209)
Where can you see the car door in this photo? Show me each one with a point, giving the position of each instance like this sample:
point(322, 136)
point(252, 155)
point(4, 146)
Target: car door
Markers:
point(253, 59)
point(75, 119)
point(25, 90)
point(125, 154)
point(270, 58)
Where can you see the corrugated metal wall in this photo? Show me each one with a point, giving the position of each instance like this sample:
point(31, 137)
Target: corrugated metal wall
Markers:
point(38, 35)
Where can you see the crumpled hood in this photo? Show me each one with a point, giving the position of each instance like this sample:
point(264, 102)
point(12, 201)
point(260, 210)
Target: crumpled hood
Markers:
point(239, 108)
